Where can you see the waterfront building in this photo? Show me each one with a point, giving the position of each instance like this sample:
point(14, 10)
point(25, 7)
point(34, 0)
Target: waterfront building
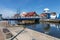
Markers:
point(45, 14)
point(59, 16)
point(53, 15)
point(46, 10)
point(28, 14)
point(23, 14)
point(31, 14)
point(48, 15)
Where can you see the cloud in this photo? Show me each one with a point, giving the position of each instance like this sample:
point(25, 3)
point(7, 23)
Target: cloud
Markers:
point(7, 12)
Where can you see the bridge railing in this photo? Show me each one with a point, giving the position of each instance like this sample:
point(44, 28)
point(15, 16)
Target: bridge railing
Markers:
point(24, 18)
point(31, 17)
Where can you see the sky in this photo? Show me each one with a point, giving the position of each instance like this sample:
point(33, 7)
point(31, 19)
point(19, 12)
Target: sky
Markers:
point(9, 7)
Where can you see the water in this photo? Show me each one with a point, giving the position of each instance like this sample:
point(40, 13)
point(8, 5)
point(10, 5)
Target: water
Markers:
point(52, 29)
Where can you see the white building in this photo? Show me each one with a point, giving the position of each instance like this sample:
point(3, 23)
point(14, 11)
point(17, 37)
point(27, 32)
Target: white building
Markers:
point(23, 14)
point(53, 15)
point(46, 10)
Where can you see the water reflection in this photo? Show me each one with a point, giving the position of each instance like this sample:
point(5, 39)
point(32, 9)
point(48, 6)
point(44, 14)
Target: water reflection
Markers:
point(52, 29)
point(55, 25)
point(58, 26)
point(46, 28)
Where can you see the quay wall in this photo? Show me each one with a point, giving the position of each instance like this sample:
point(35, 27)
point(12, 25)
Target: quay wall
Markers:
point(50, 20)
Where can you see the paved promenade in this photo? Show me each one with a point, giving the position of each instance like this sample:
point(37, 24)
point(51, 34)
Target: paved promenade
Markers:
point(1, 35)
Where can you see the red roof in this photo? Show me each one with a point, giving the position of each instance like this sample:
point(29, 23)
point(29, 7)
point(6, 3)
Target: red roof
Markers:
point(31, 13)
point(43, 14)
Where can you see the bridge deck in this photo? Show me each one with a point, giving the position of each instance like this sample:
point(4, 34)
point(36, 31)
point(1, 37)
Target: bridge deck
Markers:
point(20, 18)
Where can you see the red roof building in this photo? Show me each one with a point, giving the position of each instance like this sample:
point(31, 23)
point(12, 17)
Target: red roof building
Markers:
point(43, 15)
point(29, 14)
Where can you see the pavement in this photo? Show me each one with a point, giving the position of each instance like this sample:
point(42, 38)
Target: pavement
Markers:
point(1, 35)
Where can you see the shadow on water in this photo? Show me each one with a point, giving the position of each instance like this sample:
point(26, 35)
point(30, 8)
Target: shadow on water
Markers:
point(46, 28)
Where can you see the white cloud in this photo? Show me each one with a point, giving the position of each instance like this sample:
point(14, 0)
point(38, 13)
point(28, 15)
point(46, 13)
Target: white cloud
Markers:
point(7, 12)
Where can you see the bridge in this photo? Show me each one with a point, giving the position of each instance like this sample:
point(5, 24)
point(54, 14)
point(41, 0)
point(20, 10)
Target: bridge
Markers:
point(22, 18)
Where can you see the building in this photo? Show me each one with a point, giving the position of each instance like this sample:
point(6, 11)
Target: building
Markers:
point(45, 14)
point(59, 16)
point(48, 15)
point(31, 14)
point(53, 15)
point(46, 10)
point(23, 14)
point(28, 14)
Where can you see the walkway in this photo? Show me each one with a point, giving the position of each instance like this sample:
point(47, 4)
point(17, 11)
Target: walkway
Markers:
point(1, 35)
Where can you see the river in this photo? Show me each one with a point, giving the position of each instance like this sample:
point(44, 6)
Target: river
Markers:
point(52, 29)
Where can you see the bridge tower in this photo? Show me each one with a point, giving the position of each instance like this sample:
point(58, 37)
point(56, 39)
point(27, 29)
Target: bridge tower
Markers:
point(18, 16)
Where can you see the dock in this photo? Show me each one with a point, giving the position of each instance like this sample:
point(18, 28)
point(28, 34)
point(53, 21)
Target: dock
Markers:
point(50, 20)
